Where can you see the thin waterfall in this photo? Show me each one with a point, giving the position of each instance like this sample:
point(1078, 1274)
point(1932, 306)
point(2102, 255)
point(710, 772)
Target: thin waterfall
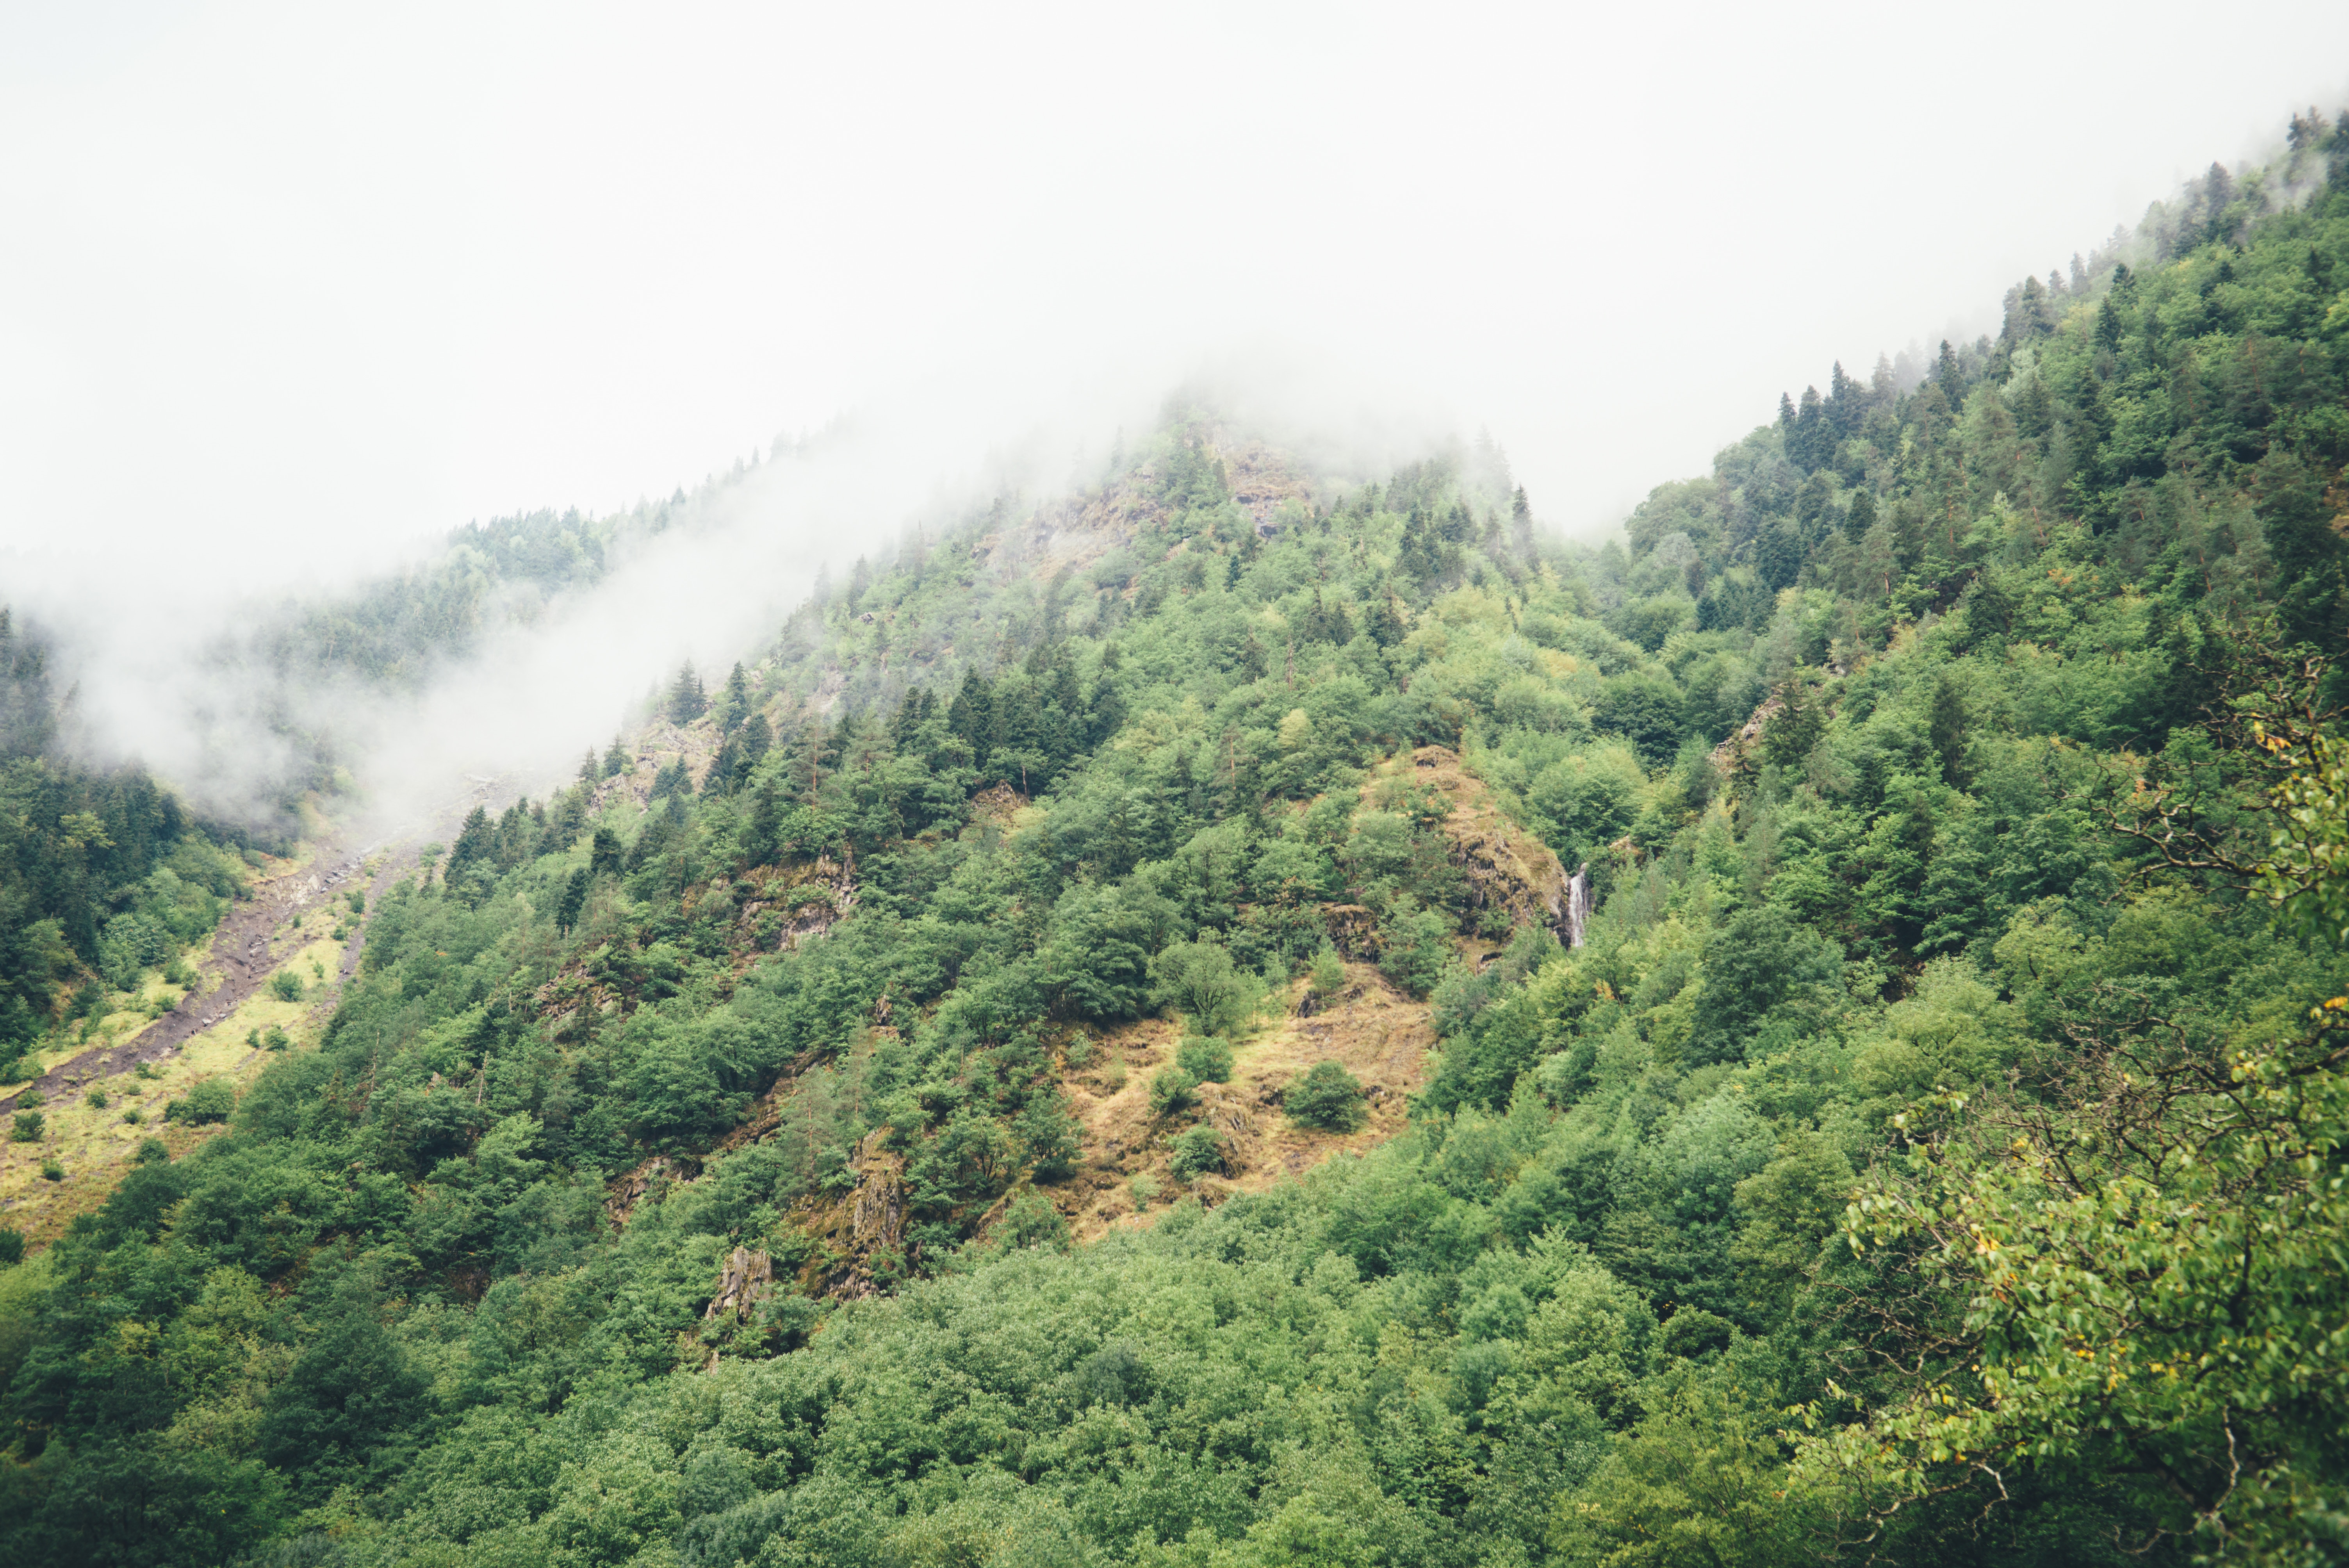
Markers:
point(1577, 905)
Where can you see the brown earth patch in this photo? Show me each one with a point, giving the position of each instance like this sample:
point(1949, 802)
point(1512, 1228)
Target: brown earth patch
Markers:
point(1380, 1035)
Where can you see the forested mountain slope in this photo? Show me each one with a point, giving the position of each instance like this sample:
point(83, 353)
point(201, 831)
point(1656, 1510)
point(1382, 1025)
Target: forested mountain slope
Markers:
point(1932, 1151)
point(105, 878)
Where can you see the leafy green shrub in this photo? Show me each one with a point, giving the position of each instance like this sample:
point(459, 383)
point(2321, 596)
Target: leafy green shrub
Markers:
point(1692, 1331)
point(12, 1246)
point(1172, 1091)
point(31, 1099)
point(1205, 1058)
point(145, 1070)
point(133, 1115)
point(358, 901)
point(1378, 852)
point(1585, 800)
point(1031, 1220)
point(1327, 1096)
point(1329, 971)
point(1197, 1152)
point(1755, 965)
point(273, 1039)
point(1050, 1137)
point(177, 973)
point(132, 943)
point(151, 1152)
point(285, 986)
point(28, 1127)
point(1418, 949)
point(211, 1100)
point(94, 1099)
point(51, 1170)
point(1201, 981)
point(1644, 709)
point(1143, 1188)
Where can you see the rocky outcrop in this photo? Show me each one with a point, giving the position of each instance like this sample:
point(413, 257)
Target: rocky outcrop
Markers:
point(1734, 755)
point(1261, 480)
point(1508, 869)
point(795, 903)
point(771, 909)
point(1353, 932)
point(865, 1226)
point(876, 1209)
point(632, 1187)
point(744, 1279)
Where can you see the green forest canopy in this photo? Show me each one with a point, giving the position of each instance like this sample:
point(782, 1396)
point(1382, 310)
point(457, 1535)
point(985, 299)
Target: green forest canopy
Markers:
point(1933, 1153)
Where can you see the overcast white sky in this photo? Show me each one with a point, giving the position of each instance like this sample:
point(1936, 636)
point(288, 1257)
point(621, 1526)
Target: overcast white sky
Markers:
point(289, 278)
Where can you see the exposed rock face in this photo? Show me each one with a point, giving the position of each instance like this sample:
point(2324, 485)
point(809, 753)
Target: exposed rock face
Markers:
point(1512, 873)
point(629, 1189)
point(997, 804)
point(1070, 533)
point(743, 1281)
point(1508, 869)
point(1261, 479)
point(1735, 754)
point(812, 898)
point(771, 909)
point(1353, 932)
point(876, 1215)
point(870, 1221)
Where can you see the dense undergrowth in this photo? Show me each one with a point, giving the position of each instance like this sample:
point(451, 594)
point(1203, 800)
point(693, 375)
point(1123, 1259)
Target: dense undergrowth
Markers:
point(1929, 1154)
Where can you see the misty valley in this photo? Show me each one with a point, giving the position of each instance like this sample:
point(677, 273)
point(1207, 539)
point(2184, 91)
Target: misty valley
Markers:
point(1247, 1010)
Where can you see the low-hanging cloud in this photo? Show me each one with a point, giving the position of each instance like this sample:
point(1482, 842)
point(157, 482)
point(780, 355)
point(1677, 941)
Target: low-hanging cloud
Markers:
point(248, 367)
point(192, 681)
point(313, 277)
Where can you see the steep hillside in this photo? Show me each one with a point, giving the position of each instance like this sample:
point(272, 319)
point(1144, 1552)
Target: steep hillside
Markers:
point(107, 880)
point(1079, 1052)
